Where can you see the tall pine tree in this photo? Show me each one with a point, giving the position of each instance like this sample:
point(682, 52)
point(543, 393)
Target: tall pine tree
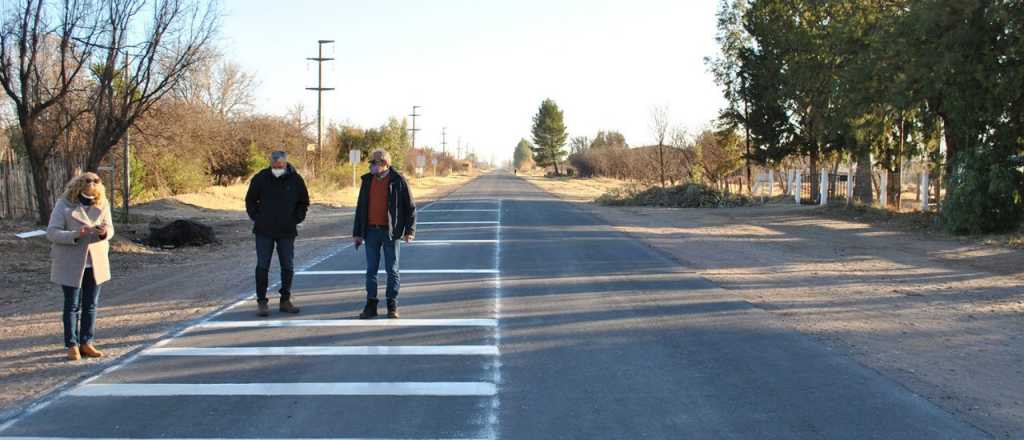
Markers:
point(549, 135)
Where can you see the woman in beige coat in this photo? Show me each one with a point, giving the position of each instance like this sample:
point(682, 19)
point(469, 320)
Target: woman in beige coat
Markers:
point(80, 229)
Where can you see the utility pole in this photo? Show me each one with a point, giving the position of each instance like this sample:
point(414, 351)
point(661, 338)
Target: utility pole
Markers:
point(444, 141)
point(320, 89)
point(458, 150)
point(414, 129)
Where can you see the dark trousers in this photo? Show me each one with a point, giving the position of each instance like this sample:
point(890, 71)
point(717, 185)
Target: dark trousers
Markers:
point(378, 241)
point(285, 257)
point(80, 300)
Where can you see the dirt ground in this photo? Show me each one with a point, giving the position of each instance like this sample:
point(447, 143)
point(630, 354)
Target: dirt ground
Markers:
point(154, 290)
point(940, 315)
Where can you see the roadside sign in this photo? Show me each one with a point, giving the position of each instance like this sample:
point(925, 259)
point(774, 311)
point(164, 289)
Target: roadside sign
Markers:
point(310, 147)
point(421, 161)
point(355, 156)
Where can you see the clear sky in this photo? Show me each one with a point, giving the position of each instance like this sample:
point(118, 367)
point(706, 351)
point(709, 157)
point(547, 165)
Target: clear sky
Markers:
point(482, 68)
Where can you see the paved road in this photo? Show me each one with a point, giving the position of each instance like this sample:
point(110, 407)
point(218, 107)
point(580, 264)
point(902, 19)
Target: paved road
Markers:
point(523, 318)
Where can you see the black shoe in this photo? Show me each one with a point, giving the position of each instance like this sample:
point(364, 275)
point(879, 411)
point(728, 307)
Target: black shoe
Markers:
point(370, 311)
point(392, 309)
point(286, 306)
point(262, 309)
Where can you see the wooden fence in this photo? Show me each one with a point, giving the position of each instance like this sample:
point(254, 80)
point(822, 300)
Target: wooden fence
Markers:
point(17, 195)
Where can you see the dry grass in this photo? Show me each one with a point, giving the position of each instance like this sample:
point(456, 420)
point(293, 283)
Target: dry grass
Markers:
point(228, 202)
point(576, 189)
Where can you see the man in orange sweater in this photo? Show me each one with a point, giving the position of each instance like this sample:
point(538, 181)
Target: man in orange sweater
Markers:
point(385, 214)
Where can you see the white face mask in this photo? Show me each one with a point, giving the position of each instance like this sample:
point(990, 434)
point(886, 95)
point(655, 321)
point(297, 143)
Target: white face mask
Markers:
point(278, 172)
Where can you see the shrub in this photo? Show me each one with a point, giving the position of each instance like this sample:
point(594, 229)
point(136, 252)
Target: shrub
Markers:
point(257, 160)
point(985, 196)
point(689, 195)
point(179, 175)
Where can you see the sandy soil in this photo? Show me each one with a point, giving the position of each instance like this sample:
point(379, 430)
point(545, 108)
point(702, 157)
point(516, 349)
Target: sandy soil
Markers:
point(942, 316)
point(154, 290)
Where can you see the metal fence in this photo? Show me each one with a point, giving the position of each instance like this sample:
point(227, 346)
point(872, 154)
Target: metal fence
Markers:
point(838, 187)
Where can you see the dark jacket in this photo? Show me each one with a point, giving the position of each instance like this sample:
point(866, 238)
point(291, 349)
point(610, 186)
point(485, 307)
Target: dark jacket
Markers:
point(401, 208)
point(277, 204)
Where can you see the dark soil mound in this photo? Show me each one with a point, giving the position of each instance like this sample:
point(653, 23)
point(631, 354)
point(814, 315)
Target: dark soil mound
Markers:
point(181, 233)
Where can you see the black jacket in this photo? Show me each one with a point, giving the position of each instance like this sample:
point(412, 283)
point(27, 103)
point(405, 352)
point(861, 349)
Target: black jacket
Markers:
point(401, 208)
point(277, 204)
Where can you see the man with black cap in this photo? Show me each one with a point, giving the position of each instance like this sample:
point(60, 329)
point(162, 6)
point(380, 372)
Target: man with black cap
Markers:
point(276, 202)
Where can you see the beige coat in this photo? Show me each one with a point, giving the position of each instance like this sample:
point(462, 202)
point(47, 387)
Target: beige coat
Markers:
point(68, 253)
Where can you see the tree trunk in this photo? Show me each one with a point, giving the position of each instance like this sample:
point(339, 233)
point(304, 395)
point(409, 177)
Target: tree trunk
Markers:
point(862, 186)
point(41, 182)
point(894, 187)
point(661, 163)
point(952, 149)
point(833, 181)
point(815, 178)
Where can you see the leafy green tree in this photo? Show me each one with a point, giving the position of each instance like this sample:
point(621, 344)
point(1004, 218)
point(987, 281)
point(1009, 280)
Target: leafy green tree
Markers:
point(522, 158)
point(731, 73)
point(610, 139)
point(257, 160)
point(549, 135)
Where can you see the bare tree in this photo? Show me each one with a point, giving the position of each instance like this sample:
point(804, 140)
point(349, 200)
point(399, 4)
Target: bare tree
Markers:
point(220, 85)
point(659, 128)
point(681, 141)
point(134, 70)
point(579, 144)
point(233, 90)
point(44, 48)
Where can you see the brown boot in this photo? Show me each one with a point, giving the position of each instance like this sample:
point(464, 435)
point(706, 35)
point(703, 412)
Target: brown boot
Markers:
point(73, 354)
point(89, 350)
point(262, 309)
point(287, 307)
point(370, 310)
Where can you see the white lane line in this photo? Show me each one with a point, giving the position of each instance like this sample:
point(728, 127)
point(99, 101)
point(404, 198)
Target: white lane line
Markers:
point(458, 223)
point(402, 271)
point(380, 350)
point(458, 210)
point(444, 202)
point(351, 323)
point(287, 389)
point(227, 438)
point(451, 242)
point(494, 420)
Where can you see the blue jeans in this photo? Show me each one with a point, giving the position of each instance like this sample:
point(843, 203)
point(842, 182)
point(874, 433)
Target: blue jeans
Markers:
point(377, 240)
point(82, 300)
point(285, 256)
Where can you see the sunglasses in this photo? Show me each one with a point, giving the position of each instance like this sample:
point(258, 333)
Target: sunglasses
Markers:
point(377, 162)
